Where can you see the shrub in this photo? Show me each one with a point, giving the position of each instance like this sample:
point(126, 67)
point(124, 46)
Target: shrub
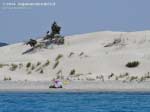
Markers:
point(142, 79)
point(20, 65)
point(58, 57)
point(124, 75)
point(147, 76)
point(38, 63)
point(60, 71)
point(28, 64)
point(72, 72)
point(33, 67)
point(41, 71)
point(56, 64)
point(79, 74)
point(1, 65)
point(29, 72)
point(47, 63)
point(90, 79)
point(90, 73)
point(111, 75)
point(71, 54)
point(133, 78)
point(7, 78)
point(38, 69)
point(58, 77)
point(132, 64)
point(81, 53)
point(116, 78)
point(100, 77)
point(13, 67)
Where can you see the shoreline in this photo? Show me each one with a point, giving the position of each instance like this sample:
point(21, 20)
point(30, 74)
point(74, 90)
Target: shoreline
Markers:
point(74, 86)
point(73, 91)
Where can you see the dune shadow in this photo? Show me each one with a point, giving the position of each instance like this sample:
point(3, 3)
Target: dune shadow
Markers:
point(29, 51)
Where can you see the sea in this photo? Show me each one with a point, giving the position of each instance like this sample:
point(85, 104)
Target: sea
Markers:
point(75, 102)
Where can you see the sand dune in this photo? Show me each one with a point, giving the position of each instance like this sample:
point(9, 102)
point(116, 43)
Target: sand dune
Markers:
point(83, 53)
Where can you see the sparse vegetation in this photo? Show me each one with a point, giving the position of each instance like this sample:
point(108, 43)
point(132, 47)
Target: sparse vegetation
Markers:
point(60, 71)
point(56, 64)
point(101, 77)
point(142, 79)
point(132, 64)
point(71, 53)
point(29, 72)
point(28, 65)
point(7, 78)
point(123, 75)
point(116, 78)
point(58, 57)
point(78, 74)
point(38, 69)
point(1, 65)
point(58, 77)
point(111, 75)
point(20, 65)
point(38, 63)
point(81, 53)
point(89, 73)
point(72, 72)
point(47, 63)
point(145, 77)
point(13, 67)
point(33, 67)
point(41, 71)
point(133, 78)
point(90, 79)
point(115, 41)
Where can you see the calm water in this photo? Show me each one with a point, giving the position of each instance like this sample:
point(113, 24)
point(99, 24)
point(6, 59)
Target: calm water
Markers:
point(74, 102)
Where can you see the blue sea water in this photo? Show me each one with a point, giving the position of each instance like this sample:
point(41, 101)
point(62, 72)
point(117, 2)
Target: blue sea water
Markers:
point(75, 102)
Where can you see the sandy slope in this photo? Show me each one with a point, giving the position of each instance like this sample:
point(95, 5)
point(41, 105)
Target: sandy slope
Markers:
point(95, 60)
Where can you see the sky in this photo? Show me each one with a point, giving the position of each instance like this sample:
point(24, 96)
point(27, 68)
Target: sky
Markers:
point(74, 16)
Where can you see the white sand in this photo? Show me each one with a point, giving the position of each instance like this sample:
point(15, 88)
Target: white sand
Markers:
point(95, 61)
point(75, 86)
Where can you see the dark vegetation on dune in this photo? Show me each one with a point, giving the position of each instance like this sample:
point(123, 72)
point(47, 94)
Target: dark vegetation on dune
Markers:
point(3, 44)
point(50, 38)
point(132, 64)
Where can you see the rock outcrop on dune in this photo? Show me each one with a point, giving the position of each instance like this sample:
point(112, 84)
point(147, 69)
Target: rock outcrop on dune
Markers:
point(93, 56)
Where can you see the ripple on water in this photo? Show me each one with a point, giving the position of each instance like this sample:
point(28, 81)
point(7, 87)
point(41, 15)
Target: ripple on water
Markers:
point(75, 102)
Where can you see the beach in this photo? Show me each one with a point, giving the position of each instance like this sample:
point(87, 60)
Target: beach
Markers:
point(75, 86)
